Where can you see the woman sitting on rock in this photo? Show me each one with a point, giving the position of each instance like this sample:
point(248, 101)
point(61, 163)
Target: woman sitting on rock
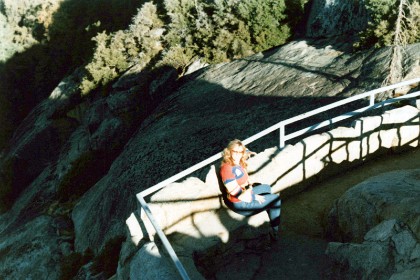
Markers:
point(242, 196)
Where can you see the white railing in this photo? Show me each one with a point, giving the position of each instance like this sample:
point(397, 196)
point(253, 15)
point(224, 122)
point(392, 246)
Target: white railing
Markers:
point(283, 138)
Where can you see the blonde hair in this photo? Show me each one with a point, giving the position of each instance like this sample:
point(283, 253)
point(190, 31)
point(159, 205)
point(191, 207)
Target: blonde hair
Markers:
point(227, 153)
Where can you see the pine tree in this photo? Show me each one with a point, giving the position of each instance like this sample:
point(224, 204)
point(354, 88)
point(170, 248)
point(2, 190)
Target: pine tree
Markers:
point(384, 18)
point(403, 34)
point(222, 30)
point(118, 51)
point(396, 68)
point(393, 27)
point(264, 19)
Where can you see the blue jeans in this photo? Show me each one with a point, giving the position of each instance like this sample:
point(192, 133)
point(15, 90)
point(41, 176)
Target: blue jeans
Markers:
point(272, 205)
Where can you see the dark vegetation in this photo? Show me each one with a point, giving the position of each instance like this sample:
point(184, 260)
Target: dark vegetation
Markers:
point(48, 39)
point(52, 38)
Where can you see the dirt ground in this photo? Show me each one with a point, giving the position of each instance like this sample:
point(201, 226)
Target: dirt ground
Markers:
point(299, 254)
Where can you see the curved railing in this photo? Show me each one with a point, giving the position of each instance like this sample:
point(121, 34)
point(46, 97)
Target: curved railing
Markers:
point(283, 137)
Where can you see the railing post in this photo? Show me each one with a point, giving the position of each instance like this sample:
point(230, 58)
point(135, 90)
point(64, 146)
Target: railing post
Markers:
point(182, 272)
point(372, 99)
point(282, 136)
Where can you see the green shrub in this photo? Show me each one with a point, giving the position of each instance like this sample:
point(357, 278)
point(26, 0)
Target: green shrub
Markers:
point(116, 52)
point(220, 31)
point(413, 23)
point(108, 62)
point(264, 19)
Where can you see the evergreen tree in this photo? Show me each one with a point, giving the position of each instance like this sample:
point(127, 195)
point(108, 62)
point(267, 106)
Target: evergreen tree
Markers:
point(116, 52)
point(406, 30)
point(24, 24)
point(384, 16)
point(7, 46)
point(220, 30)
point(394, 27)
point(264, 19)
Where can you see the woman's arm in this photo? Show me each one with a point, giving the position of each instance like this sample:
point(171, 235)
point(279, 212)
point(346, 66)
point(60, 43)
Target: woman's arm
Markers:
point(235, 189)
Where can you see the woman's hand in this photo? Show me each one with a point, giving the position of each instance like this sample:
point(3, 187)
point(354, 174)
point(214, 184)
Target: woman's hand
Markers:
point(246, 196)
point(259, 198)
point(250, 153)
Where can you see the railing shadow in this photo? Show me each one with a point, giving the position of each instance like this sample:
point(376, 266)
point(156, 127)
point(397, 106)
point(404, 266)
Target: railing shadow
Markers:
point(354, 157)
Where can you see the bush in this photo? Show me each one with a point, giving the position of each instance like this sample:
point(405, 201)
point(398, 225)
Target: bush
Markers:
point(220, 31)
point(264, 20)
point(116, 52)
point(108, 62)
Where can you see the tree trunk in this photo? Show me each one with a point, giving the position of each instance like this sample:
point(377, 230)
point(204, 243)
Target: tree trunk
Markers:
point(396, 68)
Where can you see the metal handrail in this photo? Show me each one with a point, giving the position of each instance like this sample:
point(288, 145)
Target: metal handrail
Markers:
point(165, 240)
point(283, 138)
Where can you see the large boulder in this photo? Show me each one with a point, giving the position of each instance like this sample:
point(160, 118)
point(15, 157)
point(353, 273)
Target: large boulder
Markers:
point(393, 195)
point(390, 250)
point(332, 18)
point(35, 250)
point(378, 222)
